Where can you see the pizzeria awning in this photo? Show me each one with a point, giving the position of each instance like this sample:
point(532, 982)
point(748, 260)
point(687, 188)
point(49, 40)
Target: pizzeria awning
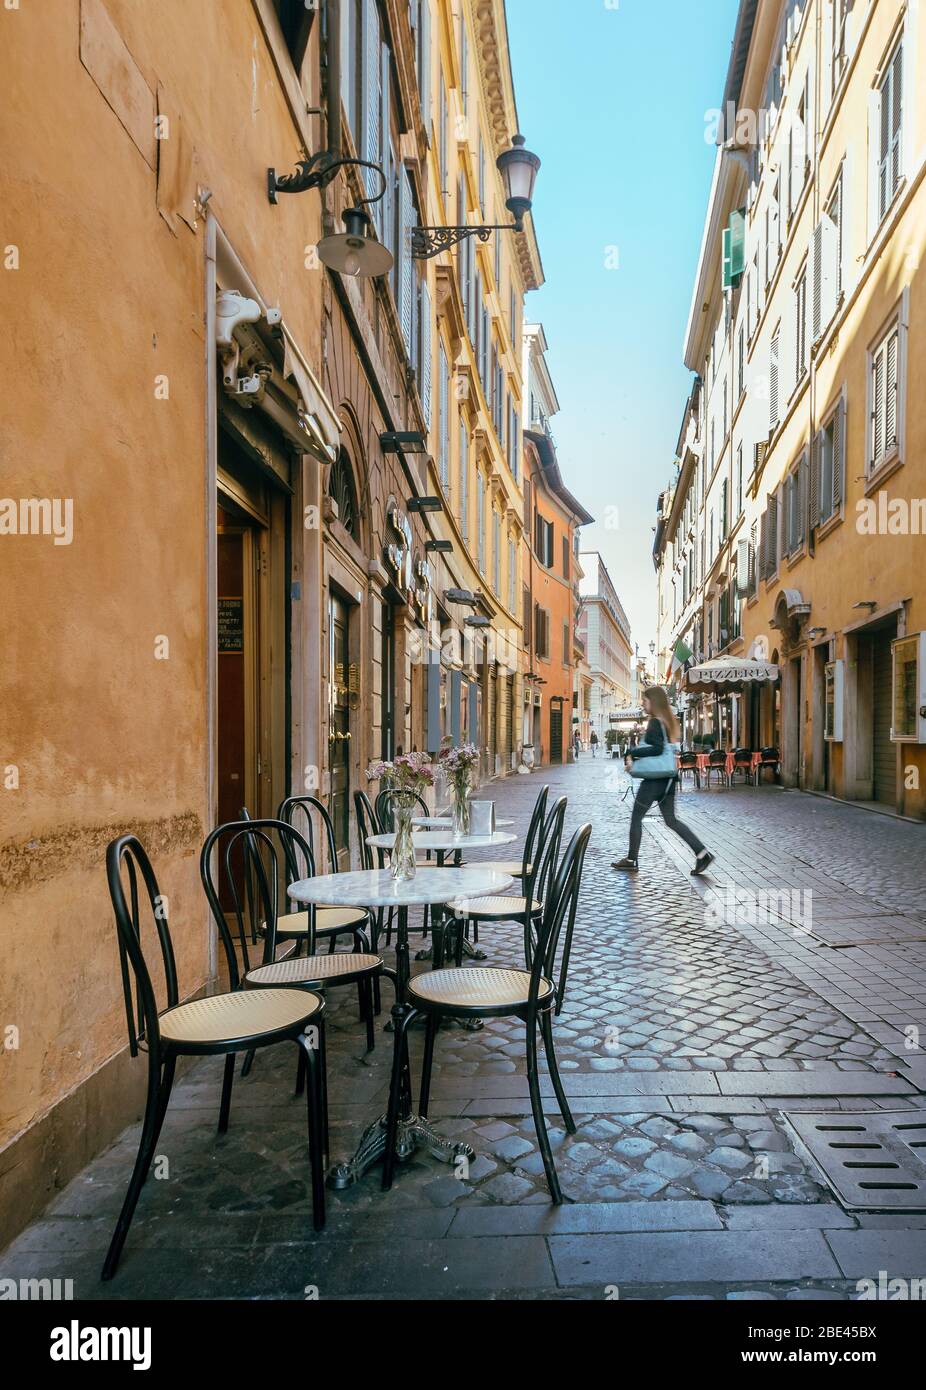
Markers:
point(727, 674)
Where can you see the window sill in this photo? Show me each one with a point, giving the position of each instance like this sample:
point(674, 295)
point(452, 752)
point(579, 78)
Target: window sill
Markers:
point(889, 465)
point(797, 556)
point(829, 525)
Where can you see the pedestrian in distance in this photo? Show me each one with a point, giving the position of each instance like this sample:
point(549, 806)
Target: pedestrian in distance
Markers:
point(662, 734)
point(593, 740)
point(576, 744)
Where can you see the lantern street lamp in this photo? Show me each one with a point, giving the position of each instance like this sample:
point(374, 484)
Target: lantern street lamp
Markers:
point(518, 168)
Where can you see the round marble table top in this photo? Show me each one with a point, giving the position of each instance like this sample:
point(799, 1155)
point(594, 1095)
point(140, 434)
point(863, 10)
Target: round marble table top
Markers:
point(377, 887)
point(446, 840)
point(443, 822)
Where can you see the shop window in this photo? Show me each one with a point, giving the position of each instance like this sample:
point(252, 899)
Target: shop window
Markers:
point(906, 692)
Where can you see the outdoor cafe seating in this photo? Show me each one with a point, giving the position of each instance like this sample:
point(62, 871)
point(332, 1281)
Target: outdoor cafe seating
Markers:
point(249, 869)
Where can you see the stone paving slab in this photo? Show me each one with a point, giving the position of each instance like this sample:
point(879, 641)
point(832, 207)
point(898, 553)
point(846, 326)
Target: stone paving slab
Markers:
point(709, 1256)
point(861, 1254)
point(587, 1218)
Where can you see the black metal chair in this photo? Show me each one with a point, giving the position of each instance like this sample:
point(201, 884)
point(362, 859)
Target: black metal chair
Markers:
point(217, 1025)
point(717, 762)
point(742, 762)
point(330, 922)
point(524, 909)
point(769, 757)
point(486, 992)
point(268, 872)
point(688, 767)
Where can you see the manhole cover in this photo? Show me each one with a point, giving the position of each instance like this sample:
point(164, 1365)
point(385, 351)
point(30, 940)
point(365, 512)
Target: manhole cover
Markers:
point(872, 1161)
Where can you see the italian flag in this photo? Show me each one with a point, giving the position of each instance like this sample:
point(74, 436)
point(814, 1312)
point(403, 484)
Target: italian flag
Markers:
point(679, 658)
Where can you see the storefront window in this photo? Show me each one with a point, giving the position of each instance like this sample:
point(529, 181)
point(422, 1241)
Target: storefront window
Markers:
point(906, 684)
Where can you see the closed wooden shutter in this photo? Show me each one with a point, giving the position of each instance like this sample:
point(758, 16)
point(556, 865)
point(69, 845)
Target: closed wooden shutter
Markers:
point(372, 105)
point(890, 392)
point(839, 455)
point(444, 408)
point(813, 518)
point(773, 381)
point(405, 278)
point(424, 365)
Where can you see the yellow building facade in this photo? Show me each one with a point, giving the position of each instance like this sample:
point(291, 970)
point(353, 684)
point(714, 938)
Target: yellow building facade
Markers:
point(793, 529)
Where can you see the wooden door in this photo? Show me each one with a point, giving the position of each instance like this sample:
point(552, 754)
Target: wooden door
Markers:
point(339, 731)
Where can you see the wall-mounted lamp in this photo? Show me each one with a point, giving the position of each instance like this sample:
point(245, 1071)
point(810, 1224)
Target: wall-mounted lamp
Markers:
point(353, 251)
point(425, 504)
point(460, 596)
point(518, 168)
point(814, 632)
point(443, 547)
point(476, 621)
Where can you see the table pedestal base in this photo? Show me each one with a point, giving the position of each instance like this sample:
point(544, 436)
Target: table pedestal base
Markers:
point(415, 1132)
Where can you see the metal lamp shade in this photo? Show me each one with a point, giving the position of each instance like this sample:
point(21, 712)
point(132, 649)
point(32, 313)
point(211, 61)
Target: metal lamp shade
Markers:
point(354, 251)
point(518, 168)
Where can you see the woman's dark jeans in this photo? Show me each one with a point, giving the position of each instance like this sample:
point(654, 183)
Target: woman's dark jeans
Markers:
point(650, 790)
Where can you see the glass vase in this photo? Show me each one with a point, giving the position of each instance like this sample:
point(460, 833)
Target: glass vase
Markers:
point(461, 813)
point(402, 859)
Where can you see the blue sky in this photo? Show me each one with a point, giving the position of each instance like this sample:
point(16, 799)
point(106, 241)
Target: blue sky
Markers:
point(612, 97)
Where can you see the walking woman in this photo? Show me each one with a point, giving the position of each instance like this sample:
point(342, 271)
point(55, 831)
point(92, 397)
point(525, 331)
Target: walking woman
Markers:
point(662, 729)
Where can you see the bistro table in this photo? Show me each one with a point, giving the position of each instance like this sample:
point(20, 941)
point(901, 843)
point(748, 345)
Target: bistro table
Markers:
point(442, 843)
point(377, 888)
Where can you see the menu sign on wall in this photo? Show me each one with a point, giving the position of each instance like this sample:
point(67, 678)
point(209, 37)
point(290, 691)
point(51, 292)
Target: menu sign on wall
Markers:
point(231, 624)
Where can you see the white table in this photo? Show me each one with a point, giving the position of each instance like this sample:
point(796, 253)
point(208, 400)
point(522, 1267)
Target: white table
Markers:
point(441, 843)
point(377, 888)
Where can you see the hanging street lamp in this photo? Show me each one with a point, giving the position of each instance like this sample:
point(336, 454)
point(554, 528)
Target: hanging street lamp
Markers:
point(518, 168)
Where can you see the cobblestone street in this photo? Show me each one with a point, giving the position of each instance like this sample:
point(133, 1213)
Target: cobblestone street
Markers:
point(682, 1040)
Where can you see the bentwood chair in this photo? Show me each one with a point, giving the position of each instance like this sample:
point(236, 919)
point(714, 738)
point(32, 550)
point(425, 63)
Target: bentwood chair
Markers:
point(688, 767)
point(486, 992)
point(219, 1025)
point(525, 908)
point(768, 757)
point(717, 762)
point(742, 762)
point(520, 868)
point(329, 922)
point(276, 855)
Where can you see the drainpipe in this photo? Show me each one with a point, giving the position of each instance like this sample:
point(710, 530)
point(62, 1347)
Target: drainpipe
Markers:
point(333, 75)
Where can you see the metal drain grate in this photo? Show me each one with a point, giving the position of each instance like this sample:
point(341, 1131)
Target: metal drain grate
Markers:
point(873, 1161)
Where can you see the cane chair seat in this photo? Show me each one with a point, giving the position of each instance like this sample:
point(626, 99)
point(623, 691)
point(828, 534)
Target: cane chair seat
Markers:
point(237, 1017)
point(321, 970)
point(475, 988)
point(514, 868)
point(326, 919)
point(500, 906)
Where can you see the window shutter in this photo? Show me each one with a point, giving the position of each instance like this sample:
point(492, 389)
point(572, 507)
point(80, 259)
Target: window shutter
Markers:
point(406, 282)
point(424, 366)
point(464, 478)
point(877, 396)
point(772, 559)
point(444, 408)
point(839, 455)
point(763, 547)
point(815, 456)
point(424, 76)
point(372, 108)
point(803, 498)
point(753, 557)
point(773, 381)
point(896, 117)
point(526, 614)
point(891, 390)
point(816, 262)
point(384, 206)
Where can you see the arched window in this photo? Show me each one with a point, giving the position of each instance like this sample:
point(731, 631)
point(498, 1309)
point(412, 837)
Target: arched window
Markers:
point(343, 493)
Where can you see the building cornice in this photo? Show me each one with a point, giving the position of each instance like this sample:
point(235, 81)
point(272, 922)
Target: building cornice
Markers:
point(494, 63)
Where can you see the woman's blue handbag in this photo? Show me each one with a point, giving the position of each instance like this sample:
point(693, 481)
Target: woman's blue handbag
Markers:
point(660, 766)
